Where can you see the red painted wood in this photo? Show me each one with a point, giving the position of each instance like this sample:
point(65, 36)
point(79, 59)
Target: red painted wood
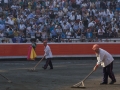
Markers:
point(57, 49)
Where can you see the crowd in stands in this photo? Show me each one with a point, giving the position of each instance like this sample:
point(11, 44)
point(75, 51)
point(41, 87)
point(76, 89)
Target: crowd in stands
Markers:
point(59, 20)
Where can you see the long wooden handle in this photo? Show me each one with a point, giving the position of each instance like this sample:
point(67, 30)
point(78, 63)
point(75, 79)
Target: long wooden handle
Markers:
point(88, 75)
point(5, 77)
point(81, 82)
point(38, 63)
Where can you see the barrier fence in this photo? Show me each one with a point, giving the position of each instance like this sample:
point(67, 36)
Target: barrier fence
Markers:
point(19, 50)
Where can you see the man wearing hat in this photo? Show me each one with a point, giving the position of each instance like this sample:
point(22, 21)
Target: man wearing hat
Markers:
point(106, 60)
point(47, 55)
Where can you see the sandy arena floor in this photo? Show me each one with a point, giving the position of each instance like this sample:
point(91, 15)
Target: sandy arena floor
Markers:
point(65, 74)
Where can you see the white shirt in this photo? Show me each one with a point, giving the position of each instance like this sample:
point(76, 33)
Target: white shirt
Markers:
point(79, 17)
point(118, 0)
point(65, 26)
point(68, 34)
point(10, 21)
point(78, 2)
point(111, 15)
point(1, 35)
point(5, 1)
point(91, 24)
point(60, 13)
point(13, 7)
point(48, 53)
point(22, 27)
point(65, 10)
point(59, 30)
point(104, 58)
point(100, 31)
point(72, 17)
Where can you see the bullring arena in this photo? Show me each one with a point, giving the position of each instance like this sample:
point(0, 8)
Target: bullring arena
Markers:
point(66, 72)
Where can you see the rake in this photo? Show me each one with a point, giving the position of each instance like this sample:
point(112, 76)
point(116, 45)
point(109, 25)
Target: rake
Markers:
point(6, 78)
point(34, 68)
point(81, 83)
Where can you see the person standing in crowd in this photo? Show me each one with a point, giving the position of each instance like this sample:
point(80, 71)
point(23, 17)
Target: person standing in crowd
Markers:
point(33, 44)
point(106, 60)
point(47, 55)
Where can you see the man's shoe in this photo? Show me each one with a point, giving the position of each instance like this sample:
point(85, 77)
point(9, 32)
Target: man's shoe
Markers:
point(112, 82)
point(103, 83)
point(50, 68)
point(43, 68)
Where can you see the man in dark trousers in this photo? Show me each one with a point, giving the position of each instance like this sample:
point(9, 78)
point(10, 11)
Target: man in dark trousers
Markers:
point(47, 55)
point(106, 60)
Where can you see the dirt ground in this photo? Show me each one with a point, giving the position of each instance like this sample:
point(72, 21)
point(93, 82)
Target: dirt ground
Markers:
point(65, 74)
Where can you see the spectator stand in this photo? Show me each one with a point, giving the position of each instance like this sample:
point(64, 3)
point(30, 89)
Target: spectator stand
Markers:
point(23, 19)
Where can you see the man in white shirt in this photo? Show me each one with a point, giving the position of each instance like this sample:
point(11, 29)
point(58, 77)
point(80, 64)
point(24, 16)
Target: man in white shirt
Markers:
point(60, 13)
point(6, 3)
point(47, 55)
point(72, 17)
point(91, 24)
point(14, 7)
point(106, 60)
point(22, 26)
point(78, 2)
point(65, 10)
point(10, 20)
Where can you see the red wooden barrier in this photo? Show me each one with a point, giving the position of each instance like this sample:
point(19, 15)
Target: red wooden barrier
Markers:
point(58, 49)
